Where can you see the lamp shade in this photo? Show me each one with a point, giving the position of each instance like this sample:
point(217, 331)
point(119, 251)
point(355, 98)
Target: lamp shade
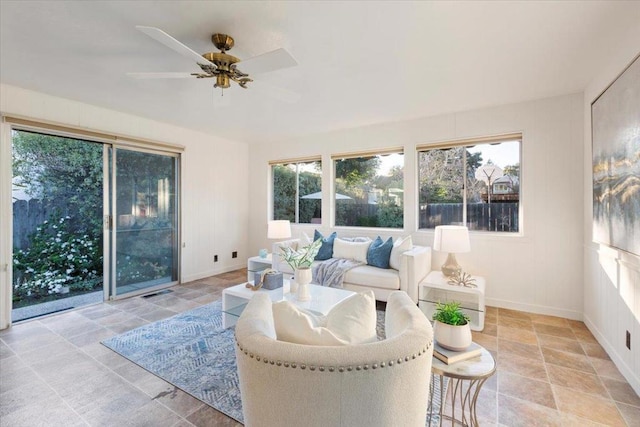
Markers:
point(452, 239)
point(279, 229)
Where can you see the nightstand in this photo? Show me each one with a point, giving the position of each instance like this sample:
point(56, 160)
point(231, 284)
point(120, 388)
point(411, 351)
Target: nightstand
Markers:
point(434, 288)
point(255, 264)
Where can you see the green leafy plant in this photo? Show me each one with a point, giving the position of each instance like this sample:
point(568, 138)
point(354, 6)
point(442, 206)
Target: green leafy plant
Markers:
point(303, 257)
point(450, 314)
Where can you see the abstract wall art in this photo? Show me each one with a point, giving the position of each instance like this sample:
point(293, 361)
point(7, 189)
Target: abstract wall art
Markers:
point(615, 127)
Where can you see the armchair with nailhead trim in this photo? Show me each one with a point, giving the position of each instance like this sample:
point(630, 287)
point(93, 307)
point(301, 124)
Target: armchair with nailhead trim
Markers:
point(385, 383)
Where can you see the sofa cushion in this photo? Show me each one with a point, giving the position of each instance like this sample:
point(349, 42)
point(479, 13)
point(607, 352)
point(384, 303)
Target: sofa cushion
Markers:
point(373, 277)
point(399, 247)
point(379, 252)
point(326, 250)
point(351, 250)
point(352, 321)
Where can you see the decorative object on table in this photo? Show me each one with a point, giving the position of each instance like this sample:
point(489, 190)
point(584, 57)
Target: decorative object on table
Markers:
point(301, 259)
point(263, 253)
point(450, 357)
point(303, 278)
point(462, 279)
point(453, 239)
point(615, 120)
point(452, 327)
point(268, 279)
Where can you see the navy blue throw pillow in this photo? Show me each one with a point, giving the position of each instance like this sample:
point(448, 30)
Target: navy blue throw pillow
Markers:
point(379, 252)
point(326, 250)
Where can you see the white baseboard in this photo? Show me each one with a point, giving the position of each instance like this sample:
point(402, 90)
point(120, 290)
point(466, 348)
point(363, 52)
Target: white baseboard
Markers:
point(632, 377)
point(534, 308)
point(212, 272)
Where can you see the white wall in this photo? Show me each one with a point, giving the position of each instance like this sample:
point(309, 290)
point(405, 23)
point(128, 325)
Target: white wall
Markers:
point(214, 177)
point(541, 269)
point(612, 277)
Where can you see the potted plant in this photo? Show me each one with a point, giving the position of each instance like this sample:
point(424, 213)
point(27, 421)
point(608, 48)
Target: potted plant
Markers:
point(452, 327)
point(300, 262)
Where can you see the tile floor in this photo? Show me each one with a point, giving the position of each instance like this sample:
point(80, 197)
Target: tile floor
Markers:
point(55, 372)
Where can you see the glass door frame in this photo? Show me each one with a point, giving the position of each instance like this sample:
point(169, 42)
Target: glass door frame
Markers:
point(111, 226)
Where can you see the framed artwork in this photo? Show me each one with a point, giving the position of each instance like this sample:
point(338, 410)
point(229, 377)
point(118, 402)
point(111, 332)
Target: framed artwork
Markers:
point(615, 129)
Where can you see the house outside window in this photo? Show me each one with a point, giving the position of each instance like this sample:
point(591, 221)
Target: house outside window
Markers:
point(474, 183)
point(297, 190)
point(369, 189)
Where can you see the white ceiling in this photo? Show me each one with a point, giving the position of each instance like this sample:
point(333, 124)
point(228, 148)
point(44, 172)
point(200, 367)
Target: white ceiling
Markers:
point(359, 62)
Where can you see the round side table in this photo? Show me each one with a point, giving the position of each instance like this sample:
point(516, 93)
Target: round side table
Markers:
point(466, 378)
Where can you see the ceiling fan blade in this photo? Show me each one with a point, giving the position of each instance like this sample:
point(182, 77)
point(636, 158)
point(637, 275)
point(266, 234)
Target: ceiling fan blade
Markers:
point(159, 75)
point(270, 61)
point(164, 38)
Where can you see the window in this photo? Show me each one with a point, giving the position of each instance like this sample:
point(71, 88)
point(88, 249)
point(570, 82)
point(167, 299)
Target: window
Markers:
point(297, 191)
point(369, 190)
point(474, 182)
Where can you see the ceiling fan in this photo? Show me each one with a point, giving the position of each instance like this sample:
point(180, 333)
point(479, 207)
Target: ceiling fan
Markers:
point(219, 65)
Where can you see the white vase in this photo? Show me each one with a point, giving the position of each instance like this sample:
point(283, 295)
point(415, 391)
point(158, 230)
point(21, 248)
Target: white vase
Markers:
point(303, 278)
point(455, 338)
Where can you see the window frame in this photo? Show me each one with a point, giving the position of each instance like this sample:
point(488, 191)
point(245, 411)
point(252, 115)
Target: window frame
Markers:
point(297, 162)
point(359, 154)
point(469, 143)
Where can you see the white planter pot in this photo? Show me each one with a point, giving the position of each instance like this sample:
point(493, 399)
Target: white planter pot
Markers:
point(455, 338)
point(303, 278)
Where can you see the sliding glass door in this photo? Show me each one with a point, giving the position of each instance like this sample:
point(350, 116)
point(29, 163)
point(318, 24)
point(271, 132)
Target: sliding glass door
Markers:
point(144, 229)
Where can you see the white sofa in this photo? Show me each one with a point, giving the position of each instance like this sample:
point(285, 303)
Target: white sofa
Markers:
point(415, 264)
point(380, 384)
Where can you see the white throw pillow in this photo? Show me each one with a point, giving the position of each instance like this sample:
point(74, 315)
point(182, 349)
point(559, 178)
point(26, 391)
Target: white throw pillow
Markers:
point(305, 239)
point(399, 246)
point(351, 250)
point(352, 321)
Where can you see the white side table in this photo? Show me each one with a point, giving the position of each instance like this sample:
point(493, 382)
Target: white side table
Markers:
point(256, 263)
point(434, 288)
point(466, 378)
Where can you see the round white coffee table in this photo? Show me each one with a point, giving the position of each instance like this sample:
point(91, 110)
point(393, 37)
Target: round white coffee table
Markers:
point(466, 378)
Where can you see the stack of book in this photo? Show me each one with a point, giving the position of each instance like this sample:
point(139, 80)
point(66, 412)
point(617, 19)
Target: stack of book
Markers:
point(450, 356)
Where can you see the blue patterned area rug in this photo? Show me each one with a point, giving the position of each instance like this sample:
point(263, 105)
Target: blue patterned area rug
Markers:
point(193, 352)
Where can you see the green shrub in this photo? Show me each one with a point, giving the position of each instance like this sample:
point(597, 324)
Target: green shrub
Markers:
point(55, 259)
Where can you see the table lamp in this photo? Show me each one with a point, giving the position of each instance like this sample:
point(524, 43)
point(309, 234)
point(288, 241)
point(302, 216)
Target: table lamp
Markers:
point(279, 229)
point(453, 239)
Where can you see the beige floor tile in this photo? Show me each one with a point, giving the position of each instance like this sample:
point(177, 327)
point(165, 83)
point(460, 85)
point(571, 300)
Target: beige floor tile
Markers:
point(631, 414)
point(180, 402)
point(606, 368)
point(487, 341)
point(519, 349)
point(568, 360)
point(588, 406)
point(585, 336)
point(549, 320)
point(621, 392)
point(557, 343)
point(517, 335)
point(490, 319)
point(516, 412)
point(526, 389)
point(493, 311)
point(514, 322)
point(594, 350)
point(575, 380)
point(209, 417)
point(556, 331)
point(524, 366)
point(514, 314)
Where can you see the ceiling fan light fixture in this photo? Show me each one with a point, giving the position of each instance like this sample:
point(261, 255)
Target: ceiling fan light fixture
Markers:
point(222, 81)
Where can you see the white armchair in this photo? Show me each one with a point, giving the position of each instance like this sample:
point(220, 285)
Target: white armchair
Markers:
point(385, 383)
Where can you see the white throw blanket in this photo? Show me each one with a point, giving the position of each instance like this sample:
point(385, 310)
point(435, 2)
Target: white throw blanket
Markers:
point(331, 272)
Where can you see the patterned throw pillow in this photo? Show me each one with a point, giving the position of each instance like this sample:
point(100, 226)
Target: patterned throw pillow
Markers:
point(326, 250)
point(380, 252)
